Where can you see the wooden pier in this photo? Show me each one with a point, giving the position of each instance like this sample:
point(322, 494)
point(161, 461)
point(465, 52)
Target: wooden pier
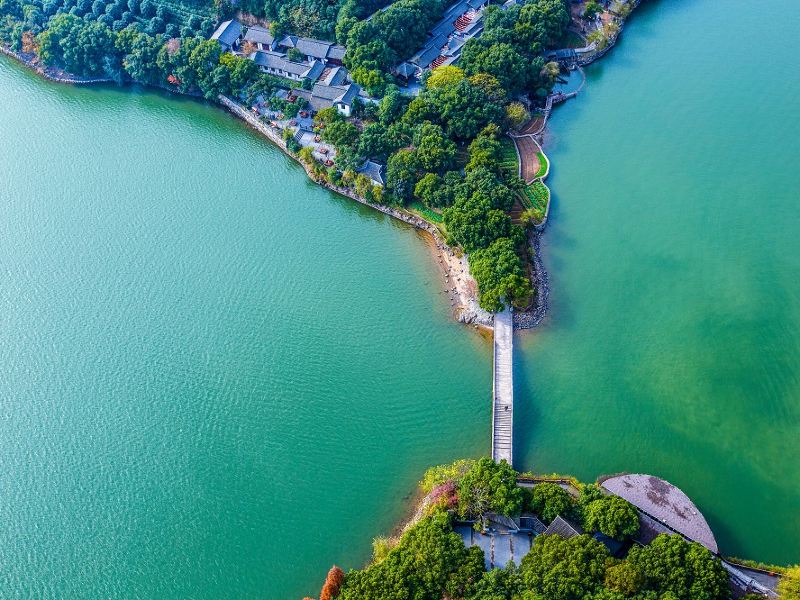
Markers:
point(503, 388)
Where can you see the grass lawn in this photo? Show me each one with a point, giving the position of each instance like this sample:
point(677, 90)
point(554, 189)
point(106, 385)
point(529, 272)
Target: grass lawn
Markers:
point(542, 164)
point(425, 212)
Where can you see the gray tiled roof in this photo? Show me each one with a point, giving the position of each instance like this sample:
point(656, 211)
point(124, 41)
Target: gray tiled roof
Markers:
point(429, 52)
point(259, 35)
point(276, 60)
point(563, 528)
point(227, 32)
point(336, 52)
point(406, 69)
point(532, 523)
point(288, 41)
point(444, 28)
point(301, 93)
point(315, 71)
point(313, 48)
point(372, 170)
point(325, 96)
point(335, 76)
point(308, 46)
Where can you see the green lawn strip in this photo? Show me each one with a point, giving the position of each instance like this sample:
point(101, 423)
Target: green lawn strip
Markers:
point(425, 212)
point(542, 164)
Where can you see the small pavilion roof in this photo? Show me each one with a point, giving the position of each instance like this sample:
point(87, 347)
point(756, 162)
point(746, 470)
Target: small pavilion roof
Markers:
point(563, 528)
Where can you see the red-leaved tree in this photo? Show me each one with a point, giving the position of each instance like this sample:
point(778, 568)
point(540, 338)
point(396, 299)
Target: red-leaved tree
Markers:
point(333, 584)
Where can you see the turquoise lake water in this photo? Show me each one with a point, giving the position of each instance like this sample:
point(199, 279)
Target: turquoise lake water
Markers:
point(673, 340)
point(220, 379)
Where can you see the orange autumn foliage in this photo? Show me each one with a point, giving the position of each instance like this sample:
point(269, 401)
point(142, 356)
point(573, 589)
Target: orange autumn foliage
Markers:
point(333, 584)
point(29, 45)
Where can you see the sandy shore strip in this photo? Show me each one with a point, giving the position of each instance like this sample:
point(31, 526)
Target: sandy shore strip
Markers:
point(459, 285)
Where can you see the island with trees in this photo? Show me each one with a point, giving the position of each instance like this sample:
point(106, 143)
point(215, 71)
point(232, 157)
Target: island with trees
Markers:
point(580, 543)
point(405, 104)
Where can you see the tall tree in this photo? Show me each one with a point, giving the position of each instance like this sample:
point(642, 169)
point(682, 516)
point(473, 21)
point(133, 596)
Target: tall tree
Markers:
point(489, 487)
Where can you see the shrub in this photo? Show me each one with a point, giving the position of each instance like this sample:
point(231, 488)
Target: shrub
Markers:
point(436, 476)
point(789, 586)
point(686, 569)
point(561, 569)
point(489, 487)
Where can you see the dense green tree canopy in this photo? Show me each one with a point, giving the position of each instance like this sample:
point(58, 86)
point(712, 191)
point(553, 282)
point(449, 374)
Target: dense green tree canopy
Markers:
point(463, 108)
point(401, 174)
point(489, 487)
point(613, 516)
point(341, 134)
point(502, 61)
point(561, 569)
point(434, 150)
point(500, 276)
point(473, 224)
point(550, 500)
point(429, 562)
point(499, 584)
point(686, 569)
point(624, 578)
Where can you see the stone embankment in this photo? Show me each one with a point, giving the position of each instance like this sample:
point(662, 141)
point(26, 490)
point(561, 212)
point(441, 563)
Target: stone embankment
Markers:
point(535, 314)
point(463, 292)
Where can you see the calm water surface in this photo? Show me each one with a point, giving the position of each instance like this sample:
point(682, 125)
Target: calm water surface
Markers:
point(218, 379)
point(673, 344)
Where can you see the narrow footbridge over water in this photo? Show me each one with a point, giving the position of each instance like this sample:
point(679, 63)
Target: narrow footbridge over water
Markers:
point(503, 388)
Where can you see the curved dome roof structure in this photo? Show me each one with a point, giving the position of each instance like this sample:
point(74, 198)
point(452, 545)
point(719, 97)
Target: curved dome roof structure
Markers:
point(664, 502)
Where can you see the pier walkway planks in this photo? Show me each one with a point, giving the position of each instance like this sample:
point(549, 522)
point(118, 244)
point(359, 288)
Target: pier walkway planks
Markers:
point(503, 388)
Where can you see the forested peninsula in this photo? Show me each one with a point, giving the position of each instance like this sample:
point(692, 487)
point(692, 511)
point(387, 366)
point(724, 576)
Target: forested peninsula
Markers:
point(406, 104)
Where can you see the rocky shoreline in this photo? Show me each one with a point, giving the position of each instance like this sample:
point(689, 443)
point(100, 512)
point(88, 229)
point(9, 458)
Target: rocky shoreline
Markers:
point(531, 318)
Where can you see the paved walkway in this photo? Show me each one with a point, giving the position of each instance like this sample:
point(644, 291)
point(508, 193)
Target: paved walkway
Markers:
point(503, 388)
point(499, 549)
